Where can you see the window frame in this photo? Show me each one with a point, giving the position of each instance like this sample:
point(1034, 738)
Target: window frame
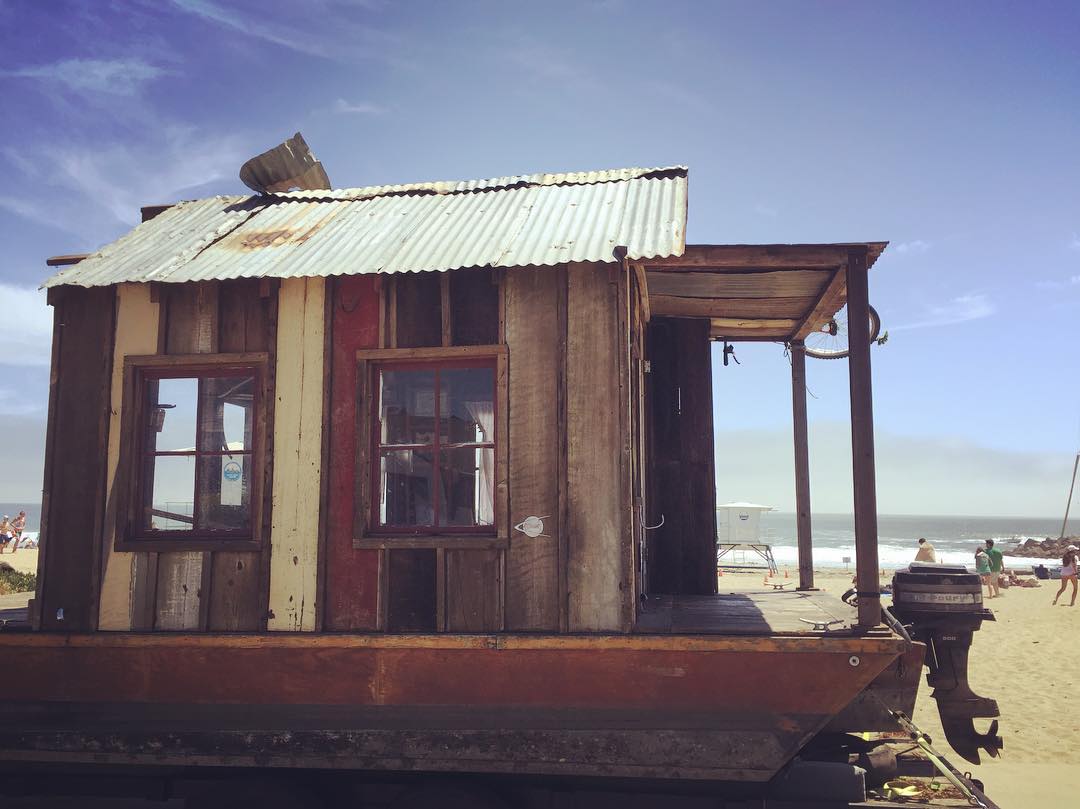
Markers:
point(367, 533)
point(130, 536)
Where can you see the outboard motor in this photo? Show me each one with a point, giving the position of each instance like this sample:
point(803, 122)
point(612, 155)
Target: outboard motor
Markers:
point(943, 606)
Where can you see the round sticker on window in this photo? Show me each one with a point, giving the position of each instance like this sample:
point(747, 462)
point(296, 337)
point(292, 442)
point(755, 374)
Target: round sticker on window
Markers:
point(231, 471)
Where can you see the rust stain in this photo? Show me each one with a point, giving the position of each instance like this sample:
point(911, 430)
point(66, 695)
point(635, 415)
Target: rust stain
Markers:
point(256, 240)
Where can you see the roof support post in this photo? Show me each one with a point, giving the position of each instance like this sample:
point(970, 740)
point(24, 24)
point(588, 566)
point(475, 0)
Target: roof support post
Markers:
point(862, 439)
point(802, 465)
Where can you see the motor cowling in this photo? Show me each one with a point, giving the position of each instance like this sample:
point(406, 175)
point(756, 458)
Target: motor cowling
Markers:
point(943, 607)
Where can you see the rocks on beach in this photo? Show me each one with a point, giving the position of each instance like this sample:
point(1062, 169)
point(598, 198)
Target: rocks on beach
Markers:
point(1043, 549)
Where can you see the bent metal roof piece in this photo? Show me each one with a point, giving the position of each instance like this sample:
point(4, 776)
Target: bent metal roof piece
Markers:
point(539, 219)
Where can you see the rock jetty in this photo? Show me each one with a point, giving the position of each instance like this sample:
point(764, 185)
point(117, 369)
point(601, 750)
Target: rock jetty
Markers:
point(1043, 548)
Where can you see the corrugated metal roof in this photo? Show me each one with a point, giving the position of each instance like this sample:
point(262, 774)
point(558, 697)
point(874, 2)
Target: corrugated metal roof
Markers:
point(539, 219)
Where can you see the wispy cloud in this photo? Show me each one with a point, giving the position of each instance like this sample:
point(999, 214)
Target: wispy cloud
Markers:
point(327, 29)
point(1072, 281)
point(25, 330)
point(1075, 242)
point(88, 190)
point(122, 77)
point(359, 107)
point(913, 247)
point(960, 309)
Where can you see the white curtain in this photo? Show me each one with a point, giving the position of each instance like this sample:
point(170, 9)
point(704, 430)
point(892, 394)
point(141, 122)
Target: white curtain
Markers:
point(483, 413)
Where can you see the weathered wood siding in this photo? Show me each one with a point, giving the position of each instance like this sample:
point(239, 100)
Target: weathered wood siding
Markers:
point(73, 496)
point(352, 574)
point(599, 574)
point(136, 333)
point(297, 485)
point(536, 340)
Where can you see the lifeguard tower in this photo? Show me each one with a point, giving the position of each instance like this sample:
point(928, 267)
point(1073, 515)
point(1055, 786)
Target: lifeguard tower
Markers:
point(738, 538)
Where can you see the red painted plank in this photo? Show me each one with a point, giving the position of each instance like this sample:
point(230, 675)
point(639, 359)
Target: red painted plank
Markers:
point(352, 575)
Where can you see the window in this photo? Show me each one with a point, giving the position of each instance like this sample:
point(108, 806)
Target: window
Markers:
point(435, 446)
point(431, 446)
point(195, 434)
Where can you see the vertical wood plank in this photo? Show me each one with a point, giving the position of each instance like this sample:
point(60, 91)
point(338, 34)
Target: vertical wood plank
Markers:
point(473, 590)
point(598, 583)
point(862, 439)
point(247, 322)
point(418, 307)
point(136, 333)
point(802, 465)
point(75, 485)
point(535, 363)
point(298, 448)
point(411, 590)
point(183, 576)
point(352, 574)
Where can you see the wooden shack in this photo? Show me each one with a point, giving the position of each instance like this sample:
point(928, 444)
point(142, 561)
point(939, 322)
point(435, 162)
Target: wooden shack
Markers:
point(389, 465)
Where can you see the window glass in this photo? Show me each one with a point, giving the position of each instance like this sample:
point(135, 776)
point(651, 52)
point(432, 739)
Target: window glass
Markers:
point(171, 488)
point(197, 455)
point(225, 492)
point(467, 476)
point(406, 491)
point(468, 394)
point(407, 407)
point(171, 406)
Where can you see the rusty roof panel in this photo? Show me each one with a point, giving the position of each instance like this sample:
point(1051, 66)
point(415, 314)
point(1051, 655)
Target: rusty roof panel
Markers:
point(542, 219)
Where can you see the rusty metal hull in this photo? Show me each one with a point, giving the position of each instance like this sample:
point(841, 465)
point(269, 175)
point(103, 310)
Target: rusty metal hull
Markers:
point(720, 708)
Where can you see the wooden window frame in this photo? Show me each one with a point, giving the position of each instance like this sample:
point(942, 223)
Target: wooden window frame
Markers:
point(365, 533)
point(129, 537)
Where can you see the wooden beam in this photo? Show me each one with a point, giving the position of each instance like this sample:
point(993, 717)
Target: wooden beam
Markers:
point(802, 465)
point(862, 441)
point(64, 261)
point(795, 308)
point(736, 256)
point(829, 303)
point(787, 283)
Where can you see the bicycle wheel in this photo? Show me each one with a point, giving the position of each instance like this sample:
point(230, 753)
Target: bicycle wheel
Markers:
point(830, 342)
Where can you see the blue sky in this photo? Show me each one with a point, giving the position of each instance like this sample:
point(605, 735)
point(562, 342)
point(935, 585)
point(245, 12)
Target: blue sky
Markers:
point(951, 130)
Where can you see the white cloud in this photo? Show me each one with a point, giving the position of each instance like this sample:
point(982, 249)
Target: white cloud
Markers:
point(913, 247)
point(960, 309)
point(123, 77)
point(25, 332)
point(1075, 243)
point(359, 107)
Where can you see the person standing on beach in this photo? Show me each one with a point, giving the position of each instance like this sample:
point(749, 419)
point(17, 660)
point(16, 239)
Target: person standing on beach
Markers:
point(982, 567)
point(997, 564)
point(1068, 573)
point(18, 525)
point(5, 532)
point(926, 552)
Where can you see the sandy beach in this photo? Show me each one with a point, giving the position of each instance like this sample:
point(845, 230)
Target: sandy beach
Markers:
point(1028, 661)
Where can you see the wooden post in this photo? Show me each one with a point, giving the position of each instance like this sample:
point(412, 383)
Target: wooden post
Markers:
point(862, 440)
point(802, 465)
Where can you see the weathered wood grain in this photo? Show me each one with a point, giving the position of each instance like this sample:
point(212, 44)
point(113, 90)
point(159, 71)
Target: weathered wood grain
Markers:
point(136, 333)
point(598, 581)
point(411, 584)
point(352, 574)
point(757, 285)
point(802, 465)
point(247, 323)
point(535, 365)
point(75, 479)
point(298, 451)
point(418, 310)
point(473, 591)
point(743, 308)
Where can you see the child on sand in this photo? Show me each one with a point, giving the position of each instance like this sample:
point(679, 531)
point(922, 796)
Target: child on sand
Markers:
point(1068, 573)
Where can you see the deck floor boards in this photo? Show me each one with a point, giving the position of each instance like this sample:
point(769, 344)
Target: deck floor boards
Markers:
point(772, 612)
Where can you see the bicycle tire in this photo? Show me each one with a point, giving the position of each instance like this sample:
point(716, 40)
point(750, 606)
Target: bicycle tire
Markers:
point(840, 353)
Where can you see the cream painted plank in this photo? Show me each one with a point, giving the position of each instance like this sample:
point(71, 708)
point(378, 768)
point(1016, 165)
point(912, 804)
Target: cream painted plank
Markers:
point(136, 333)
point(597, 507)
point(297, 455)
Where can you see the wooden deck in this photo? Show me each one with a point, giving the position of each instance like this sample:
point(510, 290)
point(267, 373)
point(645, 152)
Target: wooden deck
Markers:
point(771, 612)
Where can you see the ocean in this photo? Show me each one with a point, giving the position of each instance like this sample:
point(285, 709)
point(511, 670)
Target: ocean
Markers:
point(954, 538)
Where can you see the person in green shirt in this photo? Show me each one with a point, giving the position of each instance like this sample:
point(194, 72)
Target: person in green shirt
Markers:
point(997, 564)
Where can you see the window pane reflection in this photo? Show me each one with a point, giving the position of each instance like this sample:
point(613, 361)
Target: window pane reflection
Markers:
point(169, 493)
point(225, 496)
point(170, 411)
point(468, 412)
point(467, 476)
point(405, 486)
point(407, 407)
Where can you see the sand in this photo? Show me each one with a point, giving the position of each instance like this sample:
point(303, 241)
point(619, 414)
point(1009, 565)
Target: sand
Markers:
point(1029, 661)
